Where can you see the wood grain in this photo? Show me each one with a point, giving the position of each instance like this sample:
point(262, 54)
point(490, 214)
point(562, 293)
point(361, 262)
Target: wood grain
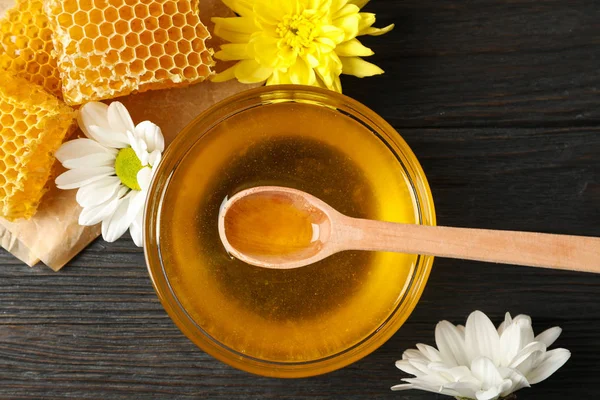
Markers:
point(497, 98)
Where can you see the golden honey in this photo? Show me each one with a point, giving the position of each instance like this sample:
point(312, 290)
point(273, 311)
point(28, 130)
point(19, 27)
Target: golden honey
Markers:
point(267, 225)
point(285, 316)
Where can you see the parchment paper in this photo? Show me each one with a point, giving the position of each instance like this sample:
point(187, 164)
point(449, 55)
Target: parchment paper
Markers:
point(53, 235)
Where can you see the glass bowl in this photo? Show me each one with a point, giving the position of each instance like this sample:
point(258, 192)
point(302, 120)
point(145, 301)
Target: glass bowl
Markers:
point(162, 262)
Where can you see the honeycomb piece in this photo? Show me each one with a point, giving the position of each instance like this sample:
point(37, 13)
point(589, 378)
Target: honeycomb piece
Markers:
point(110, 48)
point(33, 125)
point(26, 45)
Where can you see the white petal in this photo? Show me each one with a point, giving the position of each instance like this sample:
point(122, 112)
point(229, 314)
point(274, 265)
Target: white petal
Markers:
point(76, 178)
point(529, 357)
point(154, 159)
point(117, 224)
point(93, 113)
point(405, 366)
point(136, 230)
point(430, 384)
point(553, 360)
point(144, 177)
point(108, 138)
point(406, 386)
point(139, 147)
point(517, 379)
point(510, 344)
point(92, 215)
point(549, 336)
point(91, 161)
point(80, 148)
point(524, 322)
point(119, 119)
point(484, 369)
point(136, 203)
point(466, 390)
point(481, 337)
point(450, 343)
point(463, 374)
point(491, 394)
point(413, 354)
point(507, 321)
point(431, 353)
point(152, 135)
point(421, 366)
point(98, 192)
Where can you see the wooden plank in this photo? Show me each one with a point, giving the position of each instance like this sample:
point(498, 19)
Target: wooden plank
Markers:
point(485, 63)
point(96, 329)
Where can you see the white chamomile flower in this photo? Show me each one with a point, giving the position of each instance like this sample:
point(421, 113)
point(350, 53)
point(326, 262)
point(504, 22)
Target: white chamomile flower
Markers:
point(477, 361)
point(112, 168)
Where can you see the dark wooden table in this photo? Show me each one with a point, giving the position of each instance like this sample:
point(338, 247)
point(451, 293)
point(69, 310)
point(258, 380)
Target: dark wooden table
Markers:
point(500, 100)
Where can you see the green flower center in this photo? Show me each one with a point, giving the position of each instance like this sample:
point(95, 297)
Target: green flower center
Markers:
point(127, 166)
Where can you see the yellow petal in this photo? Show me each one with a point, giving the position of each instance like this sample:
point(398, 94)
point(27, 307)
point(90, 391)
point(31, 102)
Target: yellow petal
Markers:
point(358, 67)
point(226, 75)
point(378, 31)
point(279, 78)
point(337, 85)
point(330, 69)
point(271, 12)
point(358, 3)
point(249, 71)
point(235, 30)
point(353, 48)
point(240, 7)
point(366, 20)
point(349, 24)
point(365, 25)
point(312, 60)
point(232, 51)
point(330, 35)
point(301, 73)
point(335, 6)
point(264, 50)
point(347, 10)
point(287, 55)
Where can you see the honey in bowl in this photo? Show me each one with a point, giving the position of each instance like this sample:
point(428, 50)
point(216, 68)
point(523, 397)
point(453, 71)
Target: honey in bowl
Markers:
point(273, 321)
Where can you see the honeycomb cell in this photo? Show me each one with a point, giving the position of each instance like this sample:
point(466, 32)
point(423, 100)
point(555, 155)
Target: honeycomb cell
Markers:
point(174, 34)
point(141, 11)
point(161, 36)
point(92, 31)
point(33, 125)
point(184, 46)
point(25, 37)
point(142, 52)
point(101, 44)
point(131, 43)
point(179, 20)
point(107, 29)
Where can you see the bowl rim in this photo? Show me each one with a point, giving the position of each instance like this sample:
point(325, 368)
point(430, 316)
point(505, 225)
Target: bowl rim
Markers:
point(177, 151)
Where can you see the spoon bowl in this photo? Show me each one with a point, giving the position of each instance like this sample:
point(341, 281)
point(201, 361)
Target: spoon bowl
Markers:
point(318, 213)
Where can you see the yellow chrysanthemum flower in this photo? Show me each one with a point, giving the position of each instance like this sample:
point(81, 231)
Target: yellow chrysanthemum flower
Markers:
point(307, 42)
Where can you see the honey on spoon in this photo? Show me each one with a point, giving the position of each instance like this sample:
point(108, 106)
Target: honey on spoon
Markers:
point(270, 227)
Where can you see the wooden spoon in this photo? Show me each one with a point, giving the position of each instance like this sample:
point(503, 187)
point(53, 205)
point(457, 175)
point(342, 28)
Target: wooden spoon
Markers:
point(333, 232)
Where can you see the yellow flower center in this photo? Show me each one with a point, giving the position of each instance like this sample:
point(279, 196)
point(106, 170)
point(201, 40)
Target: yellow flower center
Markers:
point(127, 166)
point(298, 31)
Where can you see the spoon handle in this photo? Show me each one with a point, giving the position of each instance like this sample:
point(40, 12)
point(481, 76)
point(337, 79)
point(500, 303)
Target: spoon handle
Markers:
point(577, 253)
